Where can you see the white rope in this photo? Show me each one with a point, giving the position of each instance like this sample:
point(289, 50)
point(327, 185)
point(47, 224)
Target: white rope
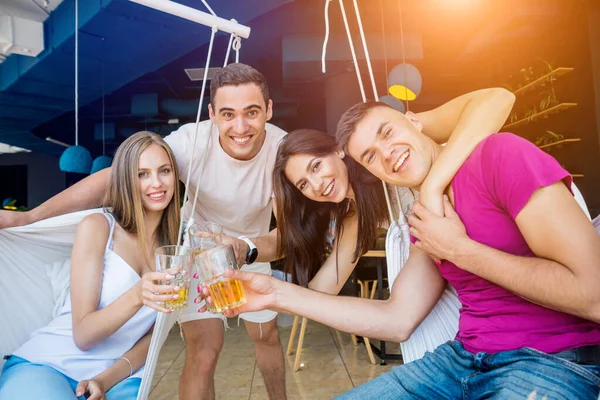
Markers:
point(371, 75)
point(324, 52)
point(76, 73)
point(366, 50)
point(385, 58)
point(165, 321)
point(187, 180)
point(208, 8)
point(237, 44)
point(209, 132)
point(387, 201)
point(357, 69)
point(231, 37)
point(403, 53)
point(202, 163)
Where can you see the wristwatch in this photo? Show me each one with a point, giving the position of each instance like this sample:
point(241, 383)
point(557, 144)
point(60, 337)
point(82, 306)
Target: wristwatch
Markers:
point(252, 253)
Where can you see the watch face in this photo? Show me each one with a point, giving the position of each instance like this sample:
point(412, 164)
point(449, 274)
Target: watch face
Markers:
point(251, 257)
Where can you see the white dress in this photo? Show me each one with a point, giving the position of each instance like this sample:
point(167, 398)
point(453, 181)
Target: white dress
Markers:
point(53, 345)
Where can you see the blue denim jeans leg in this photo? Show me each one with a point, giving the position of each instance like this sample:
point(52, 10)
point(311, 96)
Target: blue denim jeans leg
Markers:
point(451, 372)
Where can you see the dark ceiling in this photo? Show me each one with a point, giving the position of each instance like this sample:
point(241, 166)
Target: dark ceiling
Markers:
point(135, 50)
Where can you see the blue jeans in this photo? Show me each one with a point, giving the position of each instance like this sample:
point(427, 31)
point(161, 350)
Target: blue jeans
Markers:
point(451, 372)
point(24, 380)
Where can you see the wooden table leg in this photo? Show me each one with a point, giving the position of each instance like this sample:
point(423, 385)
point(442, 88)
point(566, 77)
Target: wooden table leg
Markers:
point(292, 335)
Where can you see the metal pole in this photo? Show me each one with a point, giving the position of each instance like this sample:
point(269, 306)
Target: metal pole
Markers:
point(194, 15)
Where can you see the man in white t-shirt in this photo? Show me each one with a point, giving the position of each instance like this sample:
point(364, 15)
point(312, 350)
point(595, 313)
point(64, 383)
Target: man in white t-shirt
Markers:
point(235, 191)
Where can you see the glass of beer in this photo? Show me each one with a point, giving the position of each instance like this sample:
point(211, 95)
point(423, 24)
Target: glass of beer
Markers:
point(204, 236)
point(211, 264)
point(178, 262)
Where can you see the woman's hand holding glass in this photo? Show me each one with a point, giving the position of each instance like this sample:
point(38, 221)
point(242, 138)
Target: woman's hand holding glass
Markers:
point(150, 292)
point(261, 292)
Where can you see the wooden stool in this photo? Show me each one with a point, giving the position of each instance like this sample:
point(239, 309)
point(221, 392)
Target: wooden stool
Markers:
point(363, 293)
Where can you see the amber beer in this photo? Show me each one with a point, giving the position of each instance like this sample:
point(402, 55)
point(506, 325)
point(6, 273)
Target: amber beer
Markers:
point(226, 293)
point(209, 307)
point(182, 300)
point(176, 261)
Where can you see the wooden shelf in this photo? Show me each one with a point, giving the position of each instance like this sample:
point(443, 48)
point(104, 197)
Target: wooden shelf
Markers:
point(543, 79)
point(577, 175)
point(542, 114)
point(559, 142)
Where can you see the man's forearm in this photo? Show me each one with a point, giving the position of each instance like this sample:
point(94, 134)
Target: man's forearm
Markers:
point(86, 194)
point(363, 317)
point(538, 280)
point(267, 247)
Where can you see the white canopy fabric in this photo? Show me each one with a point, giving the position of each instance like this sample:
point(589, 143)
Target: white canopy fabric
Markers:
point(34, 275)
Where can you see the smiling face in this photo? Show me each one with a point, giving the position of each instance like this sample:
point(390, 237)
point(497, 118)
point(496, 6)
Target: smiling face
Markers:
point(322, 179)
point(156, 178)
point(391, 146)
point(240, 113)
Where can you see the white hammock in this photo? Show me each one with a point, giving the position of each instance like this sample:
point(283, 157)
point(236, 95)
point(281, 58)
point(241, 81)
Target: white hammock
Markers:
point(34, 275)
point(441, 325)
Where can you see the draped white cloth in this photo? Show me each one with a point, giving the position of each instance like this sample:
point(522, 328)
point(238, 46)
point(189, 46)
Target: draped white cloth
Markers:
point(34, 275)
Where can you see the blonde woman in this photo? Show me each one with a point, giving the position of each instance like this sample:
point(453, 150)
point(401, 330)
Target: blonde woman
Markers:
point(97, 345)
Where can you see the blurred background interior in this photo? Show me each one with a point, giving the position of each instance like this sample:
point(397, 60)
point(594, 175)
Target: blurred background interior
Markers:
point(141, 69)
point(136, 72)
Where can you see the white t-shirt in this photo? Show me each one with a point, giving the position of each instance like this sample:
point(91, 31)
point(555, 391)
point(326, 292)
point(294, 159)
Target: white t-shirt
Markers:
point(233, 193)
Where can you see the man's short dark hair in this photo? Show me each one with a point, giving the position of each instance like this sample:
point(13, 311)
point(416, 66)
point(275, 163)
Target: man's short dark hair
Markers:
point(350, 119)
point(238, 74)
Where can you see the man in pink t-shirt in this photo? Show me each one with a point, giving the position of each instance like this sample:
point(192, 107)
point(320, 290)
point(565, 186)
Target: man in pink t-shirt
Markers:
point(521, 254)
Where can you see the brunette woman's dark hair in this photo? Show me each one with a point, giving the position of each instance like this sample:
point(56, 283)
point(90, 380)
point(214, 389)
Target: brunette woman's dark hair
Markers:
point(304, 224)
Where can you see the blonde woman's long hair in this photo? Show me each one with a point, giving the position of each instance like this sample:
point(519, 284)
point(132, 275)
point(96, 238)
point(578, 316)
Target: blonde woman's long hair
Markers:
point(123, 193)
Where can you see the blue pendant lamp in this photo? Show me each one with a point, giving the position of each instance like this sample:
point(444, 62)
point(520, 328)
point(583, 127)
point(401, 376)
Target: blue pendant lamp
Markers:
point(393, 102)
point(102, 161)
point(405, 82)
point(76, 158)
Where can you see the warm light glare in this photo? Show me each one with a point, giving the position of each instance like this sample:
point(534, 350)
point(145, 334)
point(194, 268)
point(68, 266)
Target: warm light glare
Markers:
point(402, 92)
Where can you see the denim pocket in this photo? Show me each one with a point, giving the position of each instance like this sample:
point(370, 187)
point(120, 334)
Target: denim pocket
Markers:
point(574, 367)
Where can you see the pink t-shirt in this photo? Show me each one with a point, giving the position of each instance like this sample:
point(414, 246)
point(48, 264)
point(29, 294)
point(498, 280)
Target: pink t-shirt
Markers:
point(490, 190)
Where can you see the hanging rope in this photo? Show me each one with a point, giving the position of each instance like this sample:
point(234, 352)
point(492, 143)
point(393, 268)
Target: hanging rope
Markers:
point(231, 37)
point(351, 43)
point(366, 50)
point(208, 8)
point(165, 321)
point(324, 52)
point(387, 83)
point(360, 84)
point(237, 44)
point(403, 52)
point(187, 180)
